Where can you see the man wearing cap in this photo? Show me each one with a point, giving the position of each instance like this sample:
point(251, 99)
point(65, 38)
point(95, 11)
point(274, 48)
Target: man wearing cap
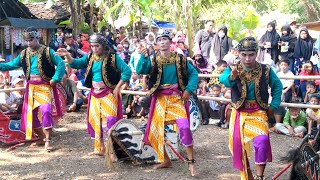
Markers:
point(172, 81)
point(43, 69)
point(249, 81)
point(106, 73)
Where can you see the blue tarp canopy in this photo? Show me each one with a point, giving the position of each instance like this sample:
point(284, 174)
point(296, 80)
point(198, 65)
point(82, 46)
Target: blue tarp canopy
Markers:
point(164, 24)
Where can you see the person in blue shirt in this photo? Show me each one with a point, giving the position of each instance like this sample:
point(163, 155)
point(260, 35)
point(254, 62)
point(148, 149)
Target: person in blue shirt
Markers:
point(249, 82)
point(42, 69)
point(106, 73)
point(172, 81)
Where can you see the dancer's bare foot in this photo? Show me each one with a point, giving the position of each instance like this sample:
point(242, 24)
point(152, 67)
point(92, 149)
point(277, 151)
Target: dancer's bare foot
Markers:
point(167, 164)
point(102, 152)
point(47, 145)
point(37, 143)
point(192, 170)
point(94, 153)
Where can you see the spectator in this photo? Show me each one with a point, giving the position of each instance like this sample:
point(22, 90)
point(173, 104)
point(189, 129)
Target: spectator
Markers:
point(120, 51)
point(215, 106)
point(287, 44)
point(311, 89)
point(150, 40)
point(293, 123)
point(122, 34)
point(135, 56)
point(85, 43)
point(133, 41)
point(204, 37)
point(202, 91)
point(286, 83)
point(303, 49)
point(74, 102)
point(269, 41)
point(306, 70)
point(201, 63)
point(221, 66)
point(313, 114)
point(221, 45)
point(225, 110)
point(182, 49)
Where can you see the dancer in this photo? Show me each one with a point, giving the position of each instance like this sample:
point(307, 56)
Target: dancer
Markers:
point(249, 81)
point(38, 63)
point(172, 81)
point(106, 73)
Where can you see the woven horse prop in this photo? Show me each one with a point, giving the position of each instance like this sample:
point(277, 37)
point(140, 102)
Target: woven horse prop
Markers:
point(304, 160)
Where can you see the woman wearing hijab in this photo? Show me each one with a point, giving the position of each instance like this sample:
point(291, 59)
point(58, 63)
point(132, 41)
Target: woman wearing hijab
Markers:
point(287, 44)
point(221, 44)
point(303, 49)
point(269, 41)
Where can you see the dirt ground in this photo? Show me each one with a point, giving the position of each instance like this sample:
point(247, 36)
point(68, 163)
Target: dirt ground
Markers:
point(72, 143)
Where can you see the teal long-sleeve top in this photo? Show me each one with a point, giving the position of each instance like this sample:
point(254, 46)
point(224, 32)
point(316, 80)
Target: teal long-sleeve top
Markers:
point(56, 60)
point(169, 73)
point(274, 83)
point(80, 63)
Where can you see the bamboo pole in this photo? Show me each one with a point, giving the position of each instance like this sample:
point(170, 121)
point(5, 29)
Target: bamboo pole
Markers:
point(280, 77)
point(295, 105)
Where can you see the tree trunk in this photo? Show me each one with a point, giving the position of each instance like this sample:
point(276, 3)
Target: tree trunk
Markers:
point(75, 9)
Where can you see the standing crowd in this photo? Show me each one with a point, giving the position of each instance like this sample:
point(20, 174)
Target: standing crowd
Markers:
point(161, 64)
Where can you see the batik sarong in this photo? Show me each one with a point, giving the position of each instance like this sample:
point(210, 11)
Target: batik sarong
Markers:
point(39, 93)
point(166, 108)
point(102, 105)
point(246, 124)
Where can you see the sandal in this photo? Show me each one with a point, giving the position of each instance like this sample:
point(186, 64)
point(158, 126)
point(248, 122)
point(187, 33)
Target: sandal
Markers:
point(47, 146)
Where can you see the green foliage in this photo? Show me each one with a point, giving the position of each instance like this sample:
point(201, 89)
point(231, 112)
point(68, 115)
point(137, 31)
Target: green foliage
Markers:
point(84, 27)
point(66, 22)
point(251, 18)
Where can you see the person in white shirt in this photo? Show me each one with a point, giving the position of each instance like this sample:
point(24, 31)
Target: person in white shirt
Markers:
point(286, 83)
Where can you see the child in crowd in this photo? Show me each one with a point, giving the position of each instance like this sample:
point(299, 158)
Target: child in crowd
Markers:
point(286, 83)
point(215, 106)
point(221, 66)
point(135, 56)
point(202, 91)
point(134, 86)
point(120, 51)
point(311, 89)
point(293, 123)
point(313, 115)
point(307, 70)
point(182, 49)
point(225, 108)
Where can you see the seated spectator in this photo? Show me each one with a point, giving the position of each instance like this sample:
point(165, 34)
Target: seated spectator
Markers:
point(215, 106)
point(181, 49)
point(85, 45)
point(225, 109)
point(311, 89)
point(74, 100)
point(293, 123)
point(202, 91)
point(202, 64)
point(286, 83)
point(313, 114)
point(307, 70)
point(221, 66)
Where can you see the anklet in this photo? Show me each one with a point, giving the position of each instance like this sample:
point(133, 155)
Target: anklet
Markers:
point(191, 161)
